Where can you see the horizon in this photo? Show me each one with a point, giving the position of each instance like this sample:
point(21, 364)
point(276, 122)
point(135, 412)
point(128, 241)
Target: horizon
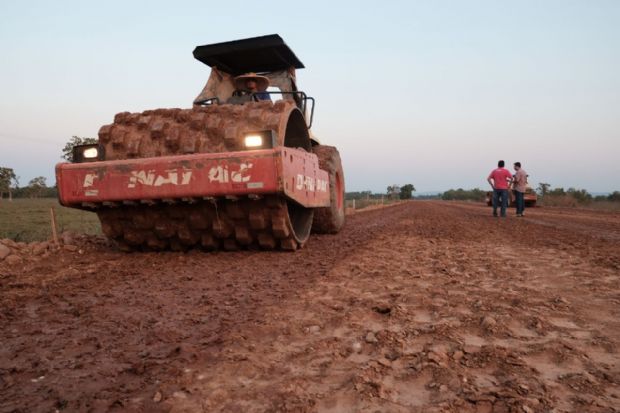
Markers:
point(433, 95)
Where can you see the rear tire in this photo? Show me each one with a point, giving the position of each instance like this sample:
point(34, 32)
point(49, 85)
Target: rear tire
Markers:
point(329, 220)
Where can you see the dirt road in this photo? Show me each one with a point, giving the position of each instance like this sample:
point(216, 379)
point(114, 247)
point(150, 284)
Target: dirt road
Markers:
point(421, 307)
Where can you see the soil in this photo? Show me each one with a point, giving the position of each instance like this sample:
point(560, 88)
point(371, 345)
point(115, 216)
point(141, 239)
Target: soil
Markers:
point(419, 307)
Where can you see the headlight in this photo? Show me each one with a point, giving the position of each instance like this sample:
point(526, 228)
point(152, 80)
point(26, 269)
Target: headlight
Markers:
point(259, 140)
point(88, 153)
point(253, 141)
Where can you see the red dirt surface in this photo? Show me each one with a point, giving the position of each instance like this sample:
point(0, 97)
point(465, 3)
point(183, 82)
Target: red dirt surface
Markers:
point(420, 307)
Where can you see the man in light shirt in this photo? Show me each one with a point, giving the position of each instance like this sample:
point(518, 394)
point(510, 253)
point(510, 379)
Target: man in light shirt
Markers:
point(519, 185)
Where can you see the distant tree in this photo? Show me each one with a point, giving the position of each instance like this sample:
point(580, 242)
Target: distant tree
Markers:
point(406, 191)
point(8, 181)
point(581, 195)
point(614, 196)
point(37, 187)
point(429, 196)
point(556, 192)
point(359, 195)
point(67, 151)
point(461, 194)
point(393, 191)
point(543, 188)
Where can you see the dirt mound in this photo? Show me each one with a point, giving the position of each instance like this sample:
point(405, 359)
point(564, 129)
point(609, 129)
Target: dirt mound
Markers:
point(14, 253)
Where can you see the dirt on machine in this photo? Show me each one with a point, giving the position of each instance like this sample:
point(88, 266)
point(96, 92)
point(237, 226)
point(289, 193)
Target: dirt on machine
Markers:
point(240, 169)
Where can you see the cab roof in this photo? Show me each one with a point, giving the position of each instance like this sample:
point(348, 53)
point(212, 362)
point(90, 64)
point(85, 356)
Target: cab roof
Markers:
point(256, 54)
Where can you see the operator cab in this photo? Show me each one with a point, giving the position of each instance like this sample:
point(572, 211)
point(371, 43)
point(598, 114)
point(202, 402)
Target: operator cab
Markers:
point(265, 56)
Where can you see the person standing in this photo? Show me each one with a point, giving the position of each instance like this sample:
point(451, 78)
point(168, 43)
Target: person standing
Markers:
point(519, 186)
point(499, 179)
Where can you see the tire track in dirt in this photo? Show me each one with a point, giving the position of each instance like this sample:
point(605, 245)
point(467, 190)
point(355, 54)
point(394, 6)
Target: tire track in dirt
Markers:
point(431, 318)
point(588, 222)
point(591, 234)
point(103, 327)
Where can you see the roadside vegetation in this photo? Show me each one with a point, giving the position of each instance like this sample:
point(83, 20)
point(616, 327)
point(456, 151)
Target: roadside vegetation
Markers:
point(460, 194)
point(547, 196)
point(29, 219)
point(364, 199)
point(37, 187)
point(573, 197)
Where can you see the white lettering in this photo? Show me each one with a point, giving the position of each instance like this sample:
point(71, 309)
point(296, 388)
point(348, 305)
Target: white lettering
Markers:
point(218, 174)
point(151, 178)
point(310, 184)
point(141, 177)
point(186, 177)
point(321, 185)
point(89, 180)
point(225, 174)
point(243, 174)
point(172, 178)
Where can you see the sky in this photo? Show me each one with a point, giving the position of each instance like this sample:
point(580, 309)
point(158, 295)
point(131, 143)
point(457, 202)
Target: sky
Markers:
point(431, 93)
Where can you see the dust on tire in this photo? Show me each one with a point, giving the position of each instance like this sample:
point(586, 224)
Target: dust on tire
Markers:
point(329, 220)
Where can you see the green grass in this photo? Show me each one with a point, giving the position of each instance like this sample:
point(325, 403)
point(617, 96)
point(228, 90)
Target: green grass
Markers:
point(29, 219)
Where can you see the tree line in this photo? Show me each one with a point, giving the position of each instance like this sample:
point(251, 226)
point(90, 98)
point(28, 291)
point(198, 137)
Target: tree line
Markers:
point(392, 192)
point(36, 187)
point(546, 193)
point(559, 196)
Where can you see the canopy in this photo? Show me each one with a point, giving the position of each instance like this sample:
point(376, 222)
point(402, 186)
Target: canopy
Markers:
point(257, 54)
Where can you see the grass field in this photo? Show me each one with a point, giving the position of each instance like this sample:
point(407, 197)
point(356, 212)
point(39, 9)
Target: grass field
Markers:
point(29, 219)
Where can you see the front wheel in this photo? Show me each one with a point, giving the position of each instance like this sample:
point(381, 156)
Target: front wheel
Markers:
point(329, 220)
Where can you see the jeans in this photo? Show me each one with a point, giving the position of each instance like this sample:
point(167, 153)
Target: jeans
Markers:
point(500, 195)
point(520, 201)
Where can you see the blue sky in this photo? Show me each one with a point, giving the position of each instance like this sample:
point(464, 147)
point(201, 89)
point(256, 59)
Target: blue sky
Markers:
point(431, 93)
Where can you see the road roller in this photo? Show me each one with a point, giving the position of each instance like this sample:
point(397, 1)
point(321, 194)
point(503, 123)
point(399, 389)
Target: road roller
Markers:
point(240, 169)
